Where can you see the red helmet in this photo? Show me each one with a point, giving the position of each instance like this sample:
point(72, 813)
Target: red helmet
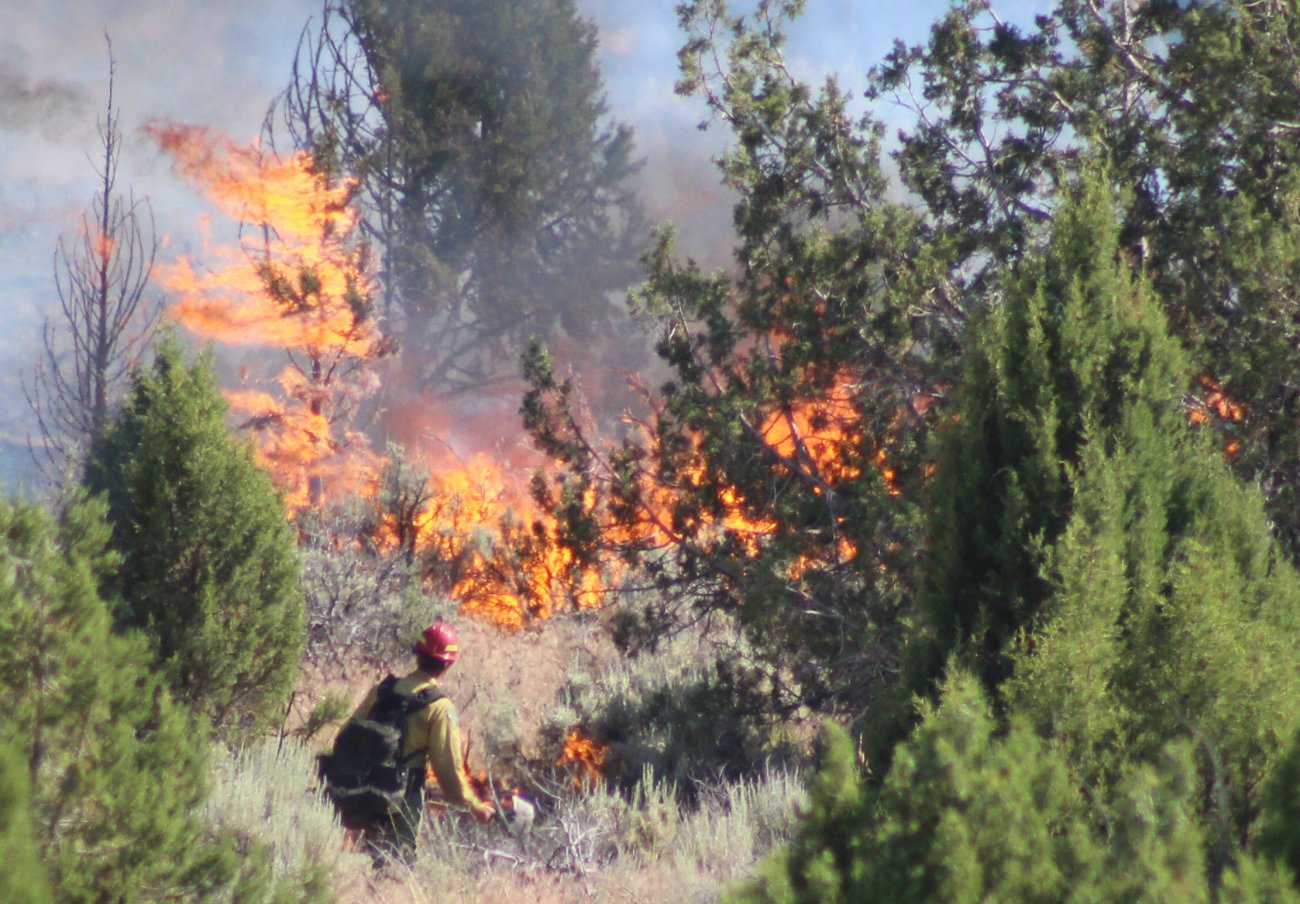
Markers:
point(439, 641)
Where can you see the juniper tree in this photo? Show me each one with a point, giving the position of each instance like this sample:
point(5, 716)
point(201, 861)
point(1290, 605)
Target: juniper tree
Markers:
point(1092, 558)
point(209, 564)
point(773, 477)
point(1196, 106)
point(980, 808)
point(102, 776)
point(116, 772)
point(1071, 355)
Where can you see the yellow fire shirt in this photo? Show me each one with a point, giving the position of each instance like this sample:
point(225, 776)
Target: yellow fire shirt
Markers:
point(435, 730)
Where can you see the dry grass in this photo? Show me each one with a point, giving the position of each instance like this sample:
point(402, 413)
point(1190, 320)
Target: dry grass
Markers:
point(596, 847)
point(265, 792)
point(505, 683)
point(602, 847)
point(588, 844)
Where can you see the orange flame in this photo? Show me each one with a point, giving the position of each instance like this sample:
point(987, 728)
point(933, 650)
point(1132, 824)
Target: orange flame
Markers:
point(819, 430)
point(822, 436)
point(1219, 403)
point(485, 543)
point(297, 280)
point(585, 756)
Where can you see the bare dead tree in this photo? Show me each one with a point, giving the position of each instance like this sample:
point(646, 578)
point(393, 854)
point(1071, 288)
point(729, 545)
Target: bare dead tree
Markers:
point(104, 320)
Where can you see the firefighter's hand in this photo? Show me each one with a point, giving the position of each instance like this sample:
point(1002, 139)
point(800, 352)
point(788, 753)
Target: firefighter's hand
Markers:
point(484, 812)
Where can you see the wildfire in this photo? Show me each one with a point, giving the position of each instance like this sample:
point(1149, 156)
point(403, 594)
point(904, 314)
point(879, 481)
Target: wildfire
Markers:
point(1218, 405)
point(819, 431)
point(1219, 402)
point(298, 281)
point(822, 437)
point(485, 540)
point(584, 756)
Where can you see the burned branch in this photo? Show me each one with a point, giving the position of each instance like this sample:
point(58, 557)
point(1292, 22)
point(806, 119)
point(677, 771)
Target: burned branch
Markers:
point(104, 321)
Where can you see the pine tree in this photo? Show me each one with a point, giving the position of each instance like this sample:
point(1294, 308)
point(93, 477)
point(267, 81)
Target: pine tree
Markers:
point(495, 190)
point(209, 565)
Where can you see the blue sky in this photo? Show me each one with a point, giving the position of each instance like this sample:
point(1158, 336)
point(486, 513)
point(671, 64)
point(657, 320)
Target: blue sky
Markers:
point(220, 64)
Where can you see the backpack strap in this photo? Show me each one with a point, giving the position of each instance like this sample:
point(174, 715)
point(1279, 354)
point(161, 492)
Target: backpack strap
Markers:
point(386, 700)
point(424, 698)
point(411, 704)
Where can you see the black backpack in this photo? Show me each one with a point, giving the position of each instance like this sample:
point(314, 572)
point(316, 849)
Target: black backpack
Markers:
point(366, 775)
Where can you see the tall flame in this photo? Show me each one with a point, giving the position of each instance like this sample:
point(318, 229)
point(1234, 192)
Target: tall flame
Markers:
point(297, 280)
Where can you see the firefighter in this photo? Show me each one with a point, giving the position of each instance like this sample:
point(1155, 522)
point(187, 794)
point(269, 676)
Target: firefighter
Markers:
point(434, 730)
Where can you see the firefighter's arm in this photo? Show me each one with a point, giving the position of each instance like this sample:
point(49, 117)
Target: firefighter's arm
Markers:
point(444, 753)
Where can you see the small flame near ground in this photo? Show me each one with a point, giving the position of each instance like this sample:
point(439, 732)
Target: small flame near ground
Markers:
point(584, 757)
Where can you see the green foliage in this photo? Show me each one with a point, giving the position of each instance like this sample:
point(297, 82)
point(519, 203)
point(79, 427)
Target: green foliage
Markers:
point(209, 570)
point(103, 780)
point(1195, 105)
point(1253, 882)
point(1279, 834)
point(824, 860)
point(494, 189)
point(23, 879)
point(1091, 553)
point(773, 476)
point(966, 817)
point(1155, 850)
point(1113, 588)
point(971, 811)
point(963, 815)
point(1073, 358)
point(116, 771)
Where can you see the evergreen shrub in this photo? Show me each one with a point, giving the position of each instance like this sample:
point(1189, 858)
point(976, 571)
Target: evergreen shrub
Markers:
point(209, 564)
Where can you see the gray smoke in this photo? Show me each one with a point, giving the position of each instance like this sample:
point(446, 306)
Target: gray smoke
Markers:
point(46, 106)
